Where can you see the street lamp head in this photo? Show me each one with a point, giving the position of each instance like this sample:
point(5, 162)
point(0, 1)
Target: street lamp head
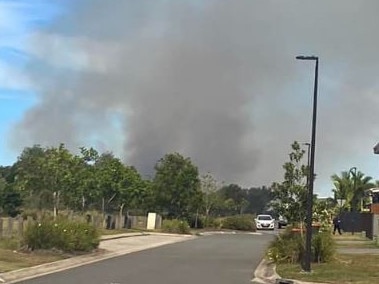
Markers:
point(353, 170)
point(302, 57)
point(376, 149)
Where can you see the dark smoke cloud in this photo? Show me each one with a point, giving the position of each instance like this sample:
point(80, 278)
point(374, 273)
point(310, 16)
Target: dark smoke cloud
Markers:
point(214, 80)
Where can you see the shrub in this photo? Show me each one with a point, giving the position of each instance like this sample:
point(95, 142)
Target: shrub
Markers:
point(323, 247)
point(290, 246)
point(287, 247)
point(239, 222)
point(175, 226)
point(212, 222)
point(63, 235)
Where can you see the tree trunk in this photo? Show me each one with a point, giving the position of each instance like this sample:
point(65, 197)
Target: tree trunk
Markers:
point(196, 218)
point(120, 215)
point(83, 202)
point(56, 204)
point(103, 205)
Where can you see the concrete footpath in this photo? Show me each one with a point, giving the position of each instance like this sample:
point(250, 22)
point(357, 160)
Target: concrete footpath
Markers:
point(110, 246)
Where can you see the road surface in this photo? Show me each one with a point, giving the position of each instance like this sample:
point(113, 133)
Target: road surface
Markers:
point(215, 259)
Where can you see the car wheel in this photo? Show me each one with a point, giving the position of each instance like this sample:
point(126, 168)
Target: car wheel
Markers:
point(280, 226)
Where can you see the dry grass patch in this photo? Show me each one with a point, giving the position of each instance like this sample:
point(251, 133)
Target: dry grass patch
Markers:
point(349, 237)
point(12, 260)
point(345, 269)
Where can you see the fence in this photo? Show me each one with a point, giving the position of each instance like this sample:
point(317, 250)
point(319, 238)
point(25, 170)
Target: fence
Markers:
point(356, 222)
point(14, 227)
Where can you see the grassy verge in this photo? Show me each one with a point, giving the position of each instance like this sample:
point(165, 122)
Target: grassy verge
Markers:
point(12, 260)
point(363, 245)
point(349, 237)
point(345, 268)
point(353, 269)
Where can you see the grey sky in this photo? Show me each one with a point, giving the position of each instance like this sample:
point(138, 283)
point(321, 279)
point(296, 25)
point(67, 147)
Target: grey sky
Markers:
point(216, 81)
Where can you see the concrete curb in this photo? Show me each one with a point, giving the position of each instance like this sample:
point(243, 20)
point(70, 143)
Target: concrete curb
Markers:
point(266, 274)
point(57, 266)
point(210, 233)
point(121, 236)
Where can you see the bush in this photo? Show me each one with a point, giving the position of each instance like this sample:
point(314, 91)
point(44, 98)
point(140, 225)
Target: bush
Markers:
point(287, 247)
point(63, 235)
point(323, 247)
point(212, 222)
point(290, 247)
point(175, 226)
point(239, 222)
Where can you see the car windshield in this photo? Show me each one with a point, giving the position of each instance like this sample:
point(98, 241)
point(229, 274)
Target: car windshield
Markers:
point(264, 218)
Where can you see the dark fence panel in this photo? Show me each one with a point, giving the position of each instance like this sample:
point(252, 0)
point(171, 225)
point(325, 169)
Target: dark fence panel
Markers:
point(356, 222)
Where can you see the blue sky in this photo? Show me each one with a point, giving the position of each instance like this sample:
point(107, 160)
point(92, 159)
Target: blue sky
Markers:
point(18, 20)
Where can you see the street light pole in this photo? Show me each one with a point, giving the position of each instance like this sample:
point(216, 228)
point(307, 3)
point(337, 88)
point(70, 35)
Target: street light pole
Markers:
point(308, 240)
point(308, 167)
point(353, 171)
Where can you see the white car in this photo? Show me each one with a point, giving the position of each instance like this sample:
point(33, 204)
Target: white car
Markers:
point(265, 222)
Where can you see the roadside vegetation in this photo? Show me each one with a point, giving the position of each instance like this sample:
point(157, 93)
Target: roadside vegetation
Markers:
point(54, 179)
point(328, 265)
point(342, 268)
point(45, 183)
point(13, 257)
point(56, 191)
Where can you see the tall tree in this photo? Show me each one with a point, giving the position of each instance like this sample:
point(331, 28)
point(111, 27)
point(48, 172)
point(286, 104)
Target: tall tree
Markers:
point(235, 199)
point(350, 186)
point(176, 185)
point(29, 177)
point(109, 174)
point(258, 199)
point(289, 196)
point(209, 188)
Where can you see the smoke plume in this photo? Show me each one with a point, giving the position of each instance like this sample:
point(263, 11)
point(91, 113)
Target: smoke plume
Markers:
point(214, 80)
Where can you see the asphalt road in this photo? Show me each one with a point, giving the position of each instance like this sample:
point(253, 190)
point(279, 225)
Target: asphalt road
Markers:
point(221, 259)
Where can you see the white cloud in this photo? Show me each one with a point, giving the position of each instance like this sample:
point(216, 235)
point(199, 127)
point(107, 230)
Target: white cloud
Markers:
point(76, 53)
point(13, 78)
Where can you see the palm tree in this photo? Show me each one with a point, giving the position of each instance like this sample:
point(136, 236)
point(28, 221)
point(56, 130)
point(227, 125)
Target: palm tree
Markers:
point(360, 184)
point(350, 187)
point(343, 189)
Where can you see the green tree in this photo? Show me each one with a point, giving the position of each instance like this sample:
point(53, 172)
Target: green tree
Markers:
point(133, 190)
point(350, 186)
point(85, 193)
point(110, 175)
point(57, 173)
point(235, 199)
point(209, 187)
point(29, 179)
point(176, 186)
point(289, 196)
point(258, 200)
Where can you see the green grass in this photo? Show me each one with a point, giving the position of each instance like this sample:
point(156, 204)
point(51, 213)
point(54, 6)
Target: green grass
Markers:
point(345, 269)
point(349, 237)
point(366, 244)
